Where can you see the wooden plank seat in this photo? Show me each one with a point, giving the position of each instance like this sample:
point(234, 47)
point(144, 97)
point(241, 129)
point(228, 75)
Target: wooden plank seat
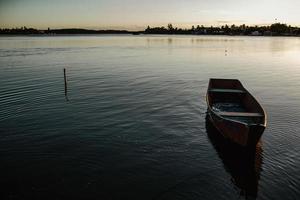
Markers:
point(240, 114)
point(227, 90)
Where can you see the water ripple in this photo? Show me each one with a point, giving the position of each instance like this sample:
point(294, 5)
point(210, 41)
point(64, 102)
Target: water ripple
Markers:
point(135, 124)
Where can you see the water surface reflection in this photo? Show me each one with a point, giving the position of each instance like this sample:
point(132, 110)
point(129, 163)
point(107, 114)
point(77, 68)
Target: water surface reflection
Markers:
point(243, 165)
point(134, 127)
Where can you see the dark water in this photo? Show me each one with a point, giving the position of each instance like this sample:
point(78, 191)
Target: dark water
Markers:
point(135, 124)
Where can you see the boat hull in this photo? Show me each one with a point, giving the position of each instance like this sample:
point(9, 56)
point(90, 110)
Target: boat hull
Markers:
point(239, 133)
point(234, 112)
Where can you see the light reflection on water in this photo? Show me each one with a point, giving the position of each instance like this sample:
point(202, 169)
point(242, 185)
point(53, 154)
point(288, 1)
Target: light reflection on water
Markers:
point(134, 125)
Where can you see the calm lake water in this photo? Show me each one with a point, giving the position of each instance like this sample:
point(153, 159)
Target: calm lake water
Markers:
point(135, 124)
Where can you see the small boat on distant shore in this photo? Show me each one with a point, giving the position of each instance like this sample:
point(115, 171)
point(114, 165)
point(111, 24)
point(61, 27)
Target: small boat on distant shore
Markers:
point(235, 112)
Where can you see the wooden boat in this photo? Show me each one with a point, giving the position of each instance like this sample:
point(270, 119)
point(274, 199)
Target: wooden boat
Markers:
point(235, 112)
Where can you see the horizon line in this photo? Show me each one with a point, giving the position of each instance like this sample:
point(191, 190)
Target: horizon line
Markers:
point(141, 28)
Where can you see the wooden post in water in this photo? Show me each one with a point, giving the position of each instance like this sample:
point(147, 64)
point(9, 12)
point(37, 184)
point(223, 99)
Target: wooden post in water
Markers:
point(66, 86)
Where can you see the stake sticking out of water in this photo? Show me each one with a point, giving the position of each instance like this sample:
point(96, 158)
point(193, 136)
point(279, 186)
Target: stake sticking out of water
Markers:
point(66, 86)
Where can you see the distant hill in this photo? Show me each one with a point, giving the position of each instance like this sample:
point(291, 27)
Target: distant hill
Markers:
point(32, 31)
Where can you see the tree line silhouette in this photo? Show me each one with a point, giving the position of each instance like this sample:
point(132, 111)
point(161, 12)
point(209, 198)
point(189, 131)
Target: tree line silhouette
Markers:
point(276, 29)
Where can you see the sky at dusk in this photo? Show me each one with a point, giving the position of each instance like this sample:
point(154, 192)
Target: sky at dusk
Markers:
point(137, 14)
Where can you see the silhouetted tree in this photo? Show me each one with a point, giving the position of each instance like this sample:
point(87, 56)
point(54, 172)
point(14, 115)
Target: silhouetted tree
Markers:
point(148, 29)
point(170, 28)
point(279, 28)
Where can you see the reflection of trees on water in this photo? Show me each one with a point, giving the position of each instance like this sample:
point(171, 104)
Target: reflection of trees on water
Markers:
point(243, 165)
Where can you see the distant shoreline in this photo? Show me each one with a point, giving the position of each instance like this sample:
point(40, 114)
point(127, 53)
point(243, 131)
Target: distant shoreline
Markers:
point(140, 34)
point(276, 29)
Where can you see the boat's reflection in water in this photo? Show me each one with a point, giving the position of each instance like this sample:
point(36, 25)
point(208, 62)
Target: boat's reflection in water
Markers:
point(244, 165)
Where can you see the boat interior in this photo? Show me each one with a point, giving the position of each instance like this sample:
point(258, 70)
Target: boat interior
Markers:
point(231, 100)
